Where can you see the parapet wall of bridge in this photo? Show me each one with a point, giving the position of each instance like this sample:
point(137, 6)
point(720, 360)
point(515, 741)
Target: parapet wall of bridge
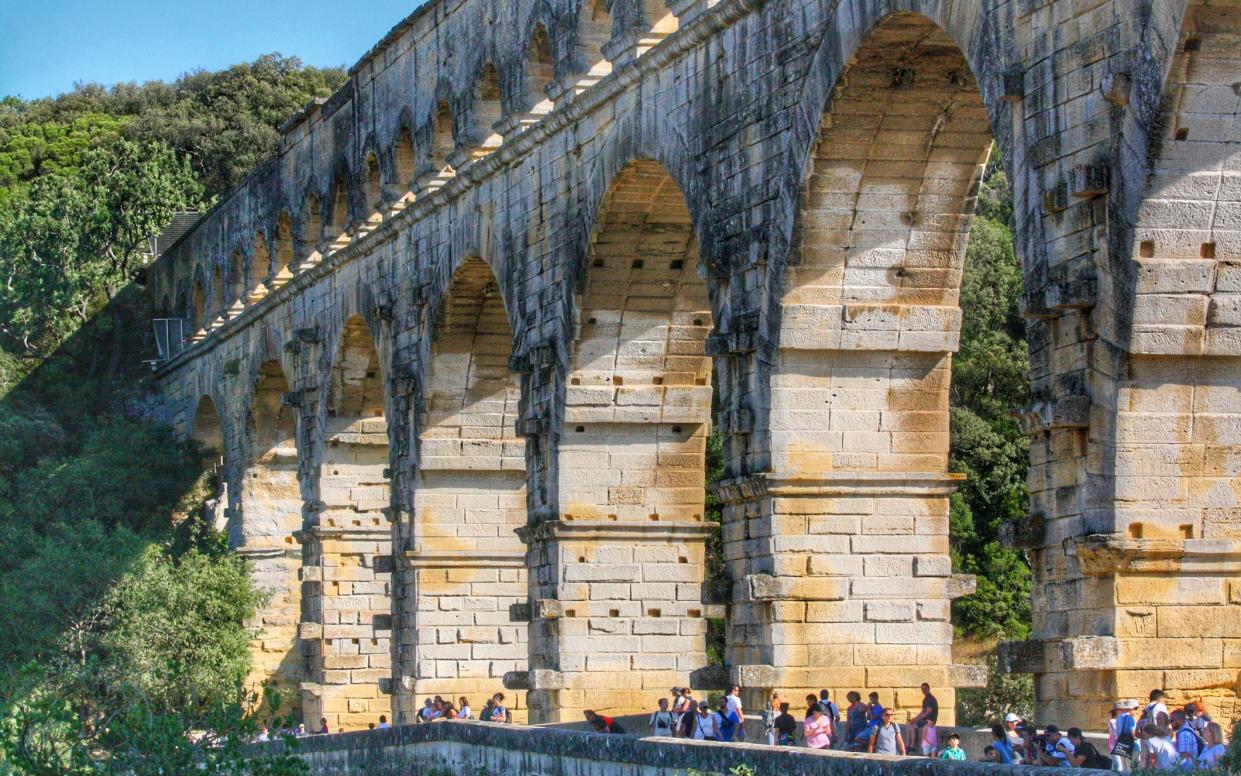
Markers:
point(465, 337)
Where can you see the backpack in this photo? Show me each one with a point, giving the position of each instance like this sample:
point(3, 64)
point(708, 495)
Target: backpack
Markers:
point(1198, 740)
point(830, 710)
point(1096, 760)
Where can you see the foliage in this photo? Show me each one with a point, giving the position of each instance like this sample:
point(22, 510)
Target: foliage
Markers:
point(69, 243)
point(41, 734)
point(990, 377)
point(1004, 693)
point(132, 641)
point(224, 122)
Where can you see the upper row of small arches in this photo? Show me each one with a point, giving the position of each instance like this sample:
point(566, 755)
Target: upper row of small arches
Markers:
point(423, 156)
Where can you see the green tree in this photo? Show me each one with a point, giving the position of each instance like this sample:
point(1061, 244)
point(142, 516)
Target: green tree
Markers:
point(990, 378)
point(69, 244)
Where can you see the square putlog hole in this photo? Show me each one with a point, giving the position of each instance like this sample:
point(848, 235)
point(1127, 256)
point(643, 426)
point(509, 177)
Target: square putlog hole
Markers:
point(1182, 133)
point(1146, 249)
point(1208, 250)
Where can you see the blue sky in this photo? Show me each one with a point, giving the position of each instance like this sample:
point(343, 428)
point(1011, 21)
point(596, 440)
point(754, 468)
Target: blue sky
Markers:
point(50, 44)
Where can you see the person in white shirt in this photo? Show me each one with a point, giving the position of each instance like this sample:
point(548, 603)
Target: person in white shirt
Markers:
point(464, 711)
point(708, 728)
point(734, 705)
point(1161, 753)
point(383, 722)
point(663, 721)
point(1214, 749)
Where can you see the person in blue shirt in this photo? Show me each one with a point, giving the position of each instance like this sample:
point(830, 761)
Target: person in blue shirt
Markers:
point(729, 721)
point(1003, 748)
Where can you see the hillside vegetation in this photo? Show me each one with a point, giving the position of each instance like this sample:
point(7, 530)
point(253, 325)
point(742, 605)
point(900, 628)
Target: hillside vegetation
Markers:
point(124, 609)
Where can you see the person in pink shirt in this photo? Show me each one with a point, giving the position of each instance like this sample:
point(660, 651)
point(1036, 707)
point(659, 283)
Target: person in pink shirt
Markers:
point(818, 730)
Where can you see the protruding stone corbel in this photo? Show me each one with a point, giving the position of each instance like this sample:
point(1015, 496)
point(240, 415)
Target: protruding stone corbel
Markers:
point(1087, 181)
point(310, 631)
point(533, 680)
point(962, 675)
point(1028, 533)
point(961, 585)
point(1068, 411)
point(308, 335)
point(754, 675)
point(1020, 657)
point(1116, 87)
point(1090, 653)
point(520, 612)
point(1013, 83)
point(313, 689)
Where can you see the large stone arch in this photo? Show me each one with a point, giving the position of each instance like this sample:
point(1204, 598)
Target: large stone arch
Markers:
point(346, 609)
point(839, 547)
point(623, 551)
point(267, 522)
point(466, 565)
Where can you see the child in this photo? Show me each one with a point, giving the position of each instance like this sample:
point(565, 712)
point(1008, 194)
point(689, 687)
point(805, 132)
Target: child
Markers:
point(954, 750)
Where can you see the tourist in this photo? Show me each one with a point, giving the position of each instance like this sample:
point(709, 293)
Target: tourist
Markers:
point(1188, 743)
point(786, 727)
point(425, 714)
point(921, 729)
point(689, 720)
point(733, 699)
point(1085, 755)
point(383, 722)
point(886, 738)
point(301, 730)
point(953, 751)
point(602, 723)
point(991, 755)
point(707, 727)
point(464, 711)
point(263, 734)
point(1125, 745)
point(322, 731)
point(498, 712)
point(1196, 717)
point(1056, 749)
point(370, 726)
point(488, 708)
point(818, 729)
point(606, 725)
point(812, 703)
point(830, 710)
point(730, 722)
point(683, 705)
point(663, 721)
point(1002, 746)
point(855, 720)
point(769, 717)
point(1159, 751)
point(1155, 713)
point(447, 711)
point(1012, 728)
point(1214, 749)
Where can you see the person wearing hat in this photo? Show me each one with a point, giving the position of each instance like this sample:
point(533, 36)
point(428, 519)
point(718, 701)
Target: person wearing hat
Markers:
point(1124, 729)
point(1015, 741)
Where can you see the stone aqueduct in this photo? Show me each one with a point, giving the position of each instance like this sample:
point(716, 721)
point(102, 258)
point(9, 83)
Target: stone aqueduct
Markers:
point(458, 343)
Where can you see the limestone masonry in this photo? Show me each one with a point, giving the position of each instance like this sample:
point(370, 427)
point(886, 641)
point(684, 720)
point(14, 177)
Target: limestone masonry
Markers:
point(458, 342)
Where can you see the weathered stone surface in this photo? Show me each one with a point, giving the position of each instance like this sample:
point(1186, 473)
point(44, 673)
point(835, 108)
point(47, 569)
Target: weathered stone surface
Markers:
point(472, 316)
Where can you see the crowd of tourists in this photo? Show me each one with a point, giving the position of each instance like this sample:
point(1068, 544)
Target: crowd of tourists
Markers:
point(439, 708)
point(1139, 737)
